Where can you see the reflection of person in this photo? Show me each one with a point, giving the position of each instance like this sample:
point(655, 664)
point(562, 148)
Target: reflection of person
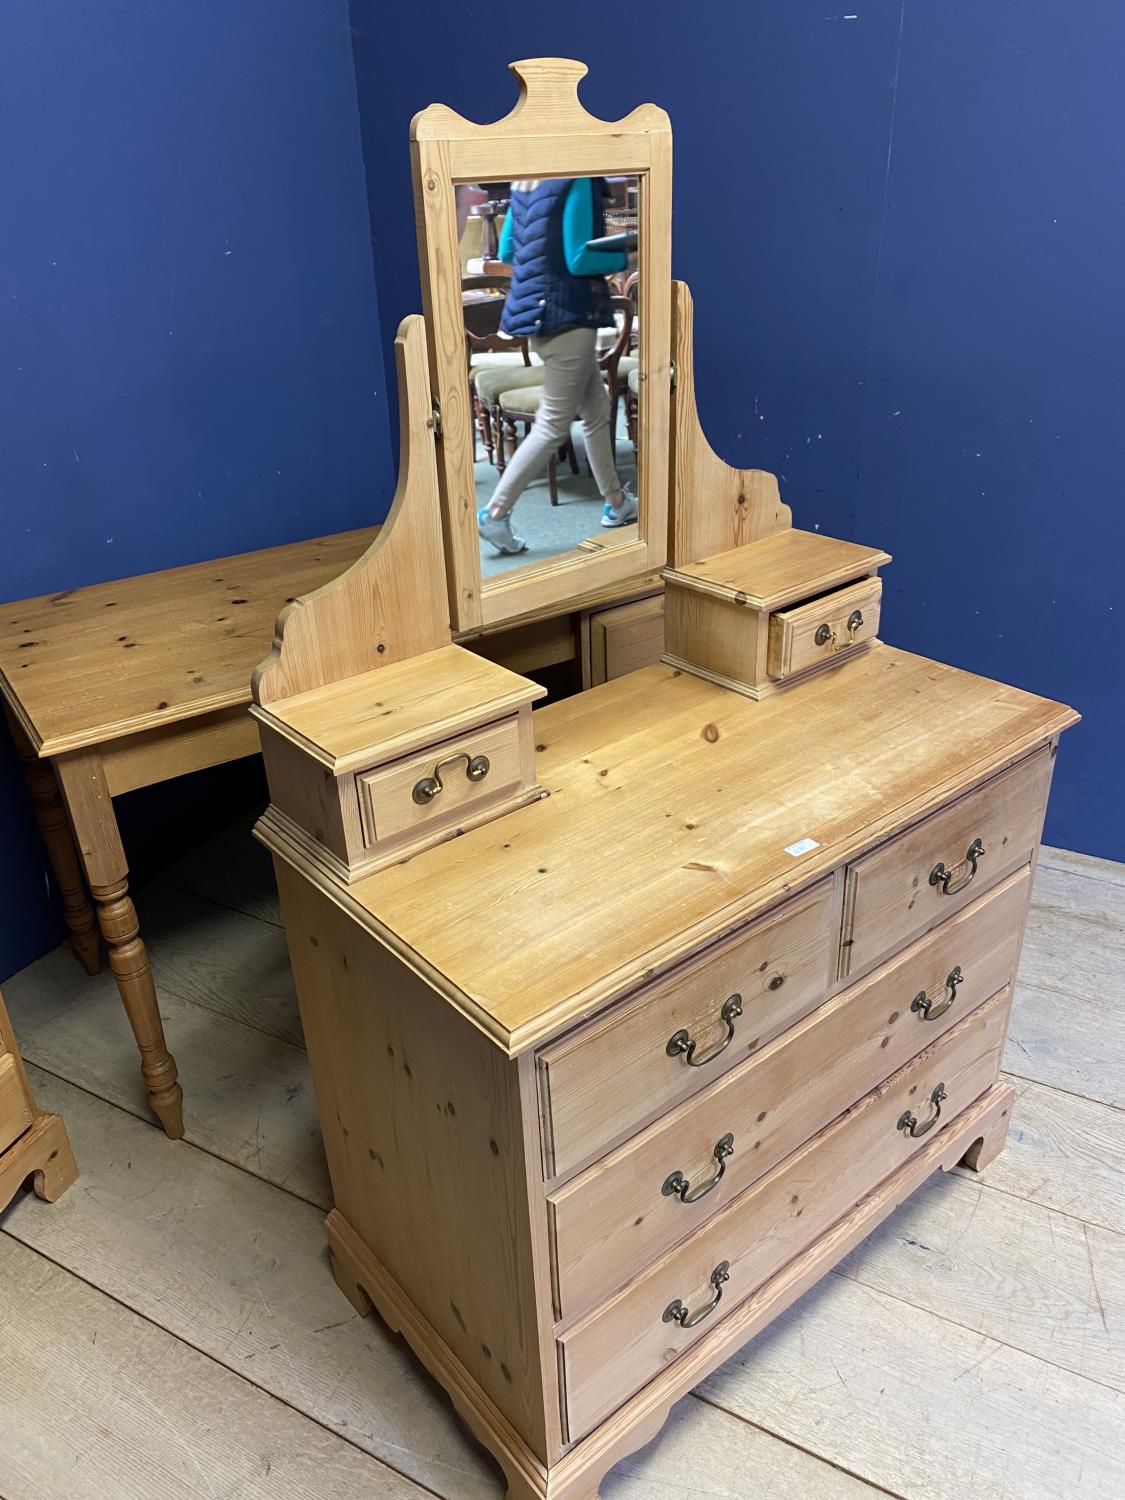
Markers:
point(559, 299)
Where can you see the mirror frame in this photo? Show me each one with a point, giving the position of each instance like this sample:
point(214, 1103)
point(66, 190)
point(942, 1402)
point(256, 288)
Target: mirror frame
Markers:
point(547, 134)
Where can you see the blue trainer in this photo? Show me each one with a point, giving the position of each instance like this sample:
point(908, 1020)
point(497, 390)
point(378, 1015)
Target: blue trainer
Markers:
point(498, 531)
point(620, 515)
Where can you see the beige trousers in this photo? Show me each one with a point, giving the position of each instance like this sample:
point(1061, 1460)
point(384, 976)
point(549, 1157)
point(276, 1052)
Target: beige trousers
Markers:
point(572, 387)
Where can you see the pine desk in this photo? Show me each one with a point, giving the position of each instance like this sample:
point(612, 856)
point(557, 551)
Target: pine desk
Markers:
point(125, 684)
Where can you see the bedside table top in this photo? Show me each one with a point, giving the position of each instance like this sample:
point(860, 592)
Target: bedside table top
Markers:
point(779, 569)
point(674, 807)
point(406, 706)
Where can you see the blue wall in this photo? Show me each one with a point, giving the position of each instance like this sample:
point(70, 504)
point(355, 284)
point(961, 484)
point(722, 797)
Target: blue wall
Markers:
point(190, 349)
point(905, 233)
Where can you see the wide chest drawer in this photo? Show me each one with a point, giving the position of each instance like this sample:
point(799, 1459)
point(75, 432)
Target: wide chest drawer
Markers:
point(682, 1033)
point(932, 870)
point(619, 1215)
point(15, 1116)
point(623, 1344)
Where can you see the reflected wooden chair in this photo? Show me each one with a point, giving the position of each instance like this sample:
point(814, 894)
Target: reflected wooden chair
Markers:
point(488, 386)
point(632, 403)
point(486, 347)
point(617, 362)
point(517, 408)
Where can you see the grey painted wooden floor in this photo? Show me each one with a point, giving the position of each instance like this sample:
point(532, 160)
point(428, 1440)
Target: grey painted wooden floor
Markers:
point(171, 1328)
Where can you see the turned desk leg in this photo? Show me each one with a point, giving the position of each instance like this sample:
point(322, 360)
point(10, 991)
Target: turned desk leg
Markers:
point(92, 818)
point(50, 815)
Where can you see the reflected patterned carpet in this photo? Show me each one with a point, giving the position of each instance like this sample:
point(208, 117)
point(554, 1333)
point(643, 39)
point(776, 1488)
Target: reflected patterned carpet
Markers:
point(548, 529)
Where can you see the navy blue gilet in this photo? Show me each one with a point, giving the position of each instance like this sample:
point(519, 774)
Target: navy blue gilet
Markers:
point(544, 296)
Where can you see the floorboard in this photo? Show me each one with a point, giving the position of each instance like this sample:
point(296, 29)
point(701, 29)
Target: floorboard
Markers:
point(248, 1097)
point(1068, 1042)
point(238, 1270)
point(1064, 1152)
point(232, 869)
point(1039, 1281)
point(100, 1404)
point(241, 971)
point(928, 1409)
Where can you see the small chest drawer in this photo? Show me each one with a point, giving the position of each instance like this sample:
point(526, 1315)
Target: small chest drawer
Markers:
point(926, 874)
point(811, 633)
point(15, 1114)
point(447, 781)
point(626, 1342)
point(618, 1216)
point(681, 1034)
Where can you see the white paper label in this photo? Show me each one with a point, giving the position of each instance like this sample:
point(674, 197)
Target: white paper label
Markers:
point(804, 846)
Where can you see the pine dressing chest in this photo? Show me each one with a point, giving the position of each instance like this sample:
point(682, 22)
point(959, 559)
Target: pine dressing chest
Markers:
point(630, 1015)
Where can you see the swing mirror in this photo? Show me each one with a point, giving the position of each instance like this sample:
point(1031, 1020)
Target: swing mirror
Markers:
point(549, 285)
point(545, 249)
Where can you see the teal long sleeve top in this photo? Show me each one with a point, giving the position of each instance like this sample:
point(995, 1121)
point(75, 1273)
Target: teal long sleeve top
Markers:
point(578, 229)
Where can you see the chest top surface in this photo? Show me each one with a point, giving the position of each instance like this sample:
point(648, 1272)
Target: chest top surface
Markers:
point(673, 807)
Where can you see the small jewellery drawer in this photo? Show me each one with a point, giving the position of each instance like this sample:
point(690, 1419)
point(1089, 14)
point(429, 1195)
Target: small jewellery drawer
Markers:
point(931, 871)
point(15, 1116)
point(626, 1342)
point(619, 1215)
point(807, 634)
point(683, 1032)
point(442, 782)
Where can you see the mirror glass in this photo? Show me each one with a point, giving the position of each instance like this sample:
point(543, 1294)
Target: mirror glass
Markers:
point(550, 296)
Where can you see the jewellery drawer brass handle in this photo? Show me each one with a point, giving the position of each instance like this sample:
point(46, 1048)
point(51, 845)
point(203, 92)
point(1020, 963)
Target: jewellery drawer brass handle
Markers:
point(476, 769)
point(682, 1042)
point(909, 1121)
point(676, 1312)
point(678, 1186)
point(939, 875)
point(825, 633)
point(925, 1008)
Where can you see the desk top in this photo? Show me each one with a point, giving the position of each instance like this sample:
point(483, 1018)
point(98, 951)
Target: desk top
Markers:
point(94, 664)
point(672, 803)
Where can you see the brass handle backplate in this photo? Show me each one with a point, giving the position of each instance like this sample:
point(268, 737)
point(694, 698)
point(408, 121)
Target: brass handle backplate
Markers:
point(476, 769)
point(683, 1042)
point(925, 1009)
point(939, 875)
point(908, 1121)
point(678, 1186)
point(826, 634)
point(676, 1312)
